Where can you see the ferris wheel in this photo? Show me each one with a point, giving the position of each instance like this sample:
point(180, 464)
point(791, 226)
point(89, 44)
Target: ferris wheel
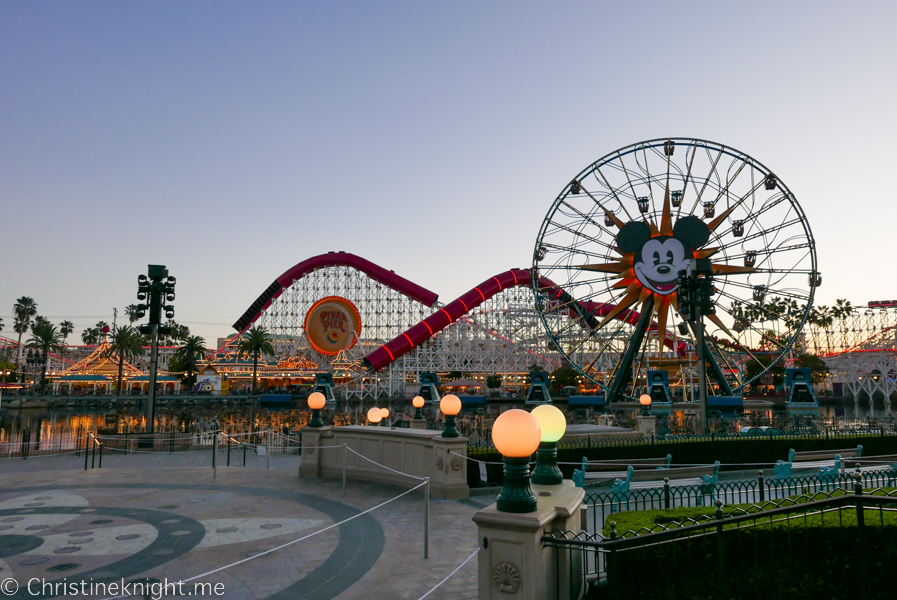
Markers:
point(609, 254)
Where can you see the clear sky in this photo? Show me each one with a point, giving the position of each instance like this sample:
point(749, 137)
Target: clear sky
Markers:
point(231, 140)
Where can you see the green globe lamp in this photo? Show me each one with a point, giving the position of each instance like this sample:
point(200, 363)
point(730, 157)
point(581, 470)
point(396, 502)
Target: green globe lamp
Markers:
point(516, 434)
point(418, 403)
point(450, 406)
point(552, 424)
point(374, 415)
point(316, 402)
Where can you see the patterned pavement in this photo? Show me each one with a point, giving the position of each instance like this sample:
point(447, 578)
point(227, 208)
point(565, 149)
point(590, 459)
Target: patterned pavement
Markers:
point(145, 521)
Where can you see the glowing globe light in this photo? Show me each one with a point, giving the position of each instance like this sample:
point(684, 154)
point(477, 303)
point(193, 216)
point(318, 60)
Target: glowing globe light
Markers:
point(552, 422)
point(516, 434)
point(450, 405)
point(645, 401)
point(316, 401)
point(374, 415)
point(384, 412)
point(418, 403)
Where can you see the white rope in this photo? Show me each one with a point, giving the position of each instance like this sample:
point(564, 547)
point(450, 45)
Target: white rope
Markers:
point(261, 554)
point(478, 461)
point(384, 466)
point(475, 552)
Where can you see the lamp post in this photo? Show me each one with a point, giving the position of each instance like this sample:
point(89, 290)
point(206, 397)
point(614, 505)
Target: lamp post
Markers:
point(450, 405)
point(552, 425)
point(316, 402)
point(418, 403)
point(384, 415)
point(374, 415)
point(645, 401)
point(516, 434)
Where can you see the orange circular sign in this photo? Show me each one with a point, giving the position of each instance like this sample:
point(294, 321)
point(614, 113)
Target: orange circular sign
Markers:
point(332, 324)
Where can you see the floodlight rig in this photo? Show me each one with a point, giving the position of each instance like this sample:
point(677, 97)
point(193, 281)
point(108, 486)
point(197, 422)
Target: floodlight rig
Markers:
point(155, 289)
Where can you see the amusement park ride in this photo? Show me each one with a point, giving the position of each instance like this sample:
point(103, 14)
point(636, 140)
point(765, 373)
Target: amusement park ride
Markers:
point(607, 292)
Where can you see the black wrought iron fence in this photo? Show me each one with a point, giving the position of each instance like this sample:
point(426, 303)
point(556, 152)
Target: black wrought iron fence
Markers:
point(840, 546)
point(598, 506)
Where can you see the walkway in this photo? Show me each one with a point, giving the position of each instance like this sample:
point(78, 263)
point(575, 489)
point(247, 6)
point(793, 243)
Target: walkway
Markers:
point(149, 517)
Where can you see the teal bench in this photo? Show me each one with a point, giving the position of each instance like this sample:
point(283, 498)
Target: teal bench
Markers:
point(613, 468)
point(820, 459)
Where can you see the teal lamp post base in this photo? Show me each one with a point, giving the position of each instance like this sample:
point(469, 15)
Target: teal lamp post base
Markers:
point(316, 418)
point(516, 495)
point(418, 414)
point(547, 471)
point(449, 431)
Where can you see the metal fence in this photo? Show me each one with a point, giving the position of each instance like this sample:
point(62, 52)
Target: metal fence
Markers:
point(598, 506)
point(839, 546)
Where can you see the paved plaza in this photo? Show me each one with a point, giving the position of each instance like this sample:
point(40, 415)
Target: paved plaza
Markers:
point(160, 517)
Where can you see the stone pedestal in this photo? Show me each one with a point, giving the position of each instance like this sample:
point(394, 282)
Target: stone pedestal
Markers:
point(418, 423)
point(647, 424)
point(416, 452)
point(311, 438)
point(512, 562)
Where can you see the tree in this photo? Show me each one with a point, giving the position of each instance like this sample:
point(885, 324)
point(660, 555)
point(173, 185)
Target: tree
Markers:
point(90, 336)
point(131, 313)
point(65, 330)
point(493, 382)
point(1, 323)
point(754, 367)
point(818, 369)
point(22, 310)
point(193, 350)
point(45, 337)
point(562, 378)
point(254, 342)
point(126, 343)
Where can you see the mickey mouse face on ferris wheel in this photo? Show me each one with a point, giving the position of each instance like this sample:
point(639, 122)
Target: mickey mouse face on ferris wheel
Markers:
point(657, 260)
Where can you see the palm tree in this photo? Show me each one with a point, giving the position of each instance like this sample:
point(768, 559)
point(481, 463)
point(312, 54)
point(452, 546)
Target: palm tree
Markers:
point(45, 337)
point(90, 337)
point(1, 323)
point(23, 309)
point(193, 350)
point(131, 313)
point(254, 342)
point(65, 329)
point(127, 344)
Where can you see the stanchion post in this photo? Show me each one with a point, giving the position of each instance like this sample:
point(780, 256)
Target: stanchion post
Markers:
point(427, 518)
point(101, 455)
point(345, 456)
point(268, 455)
point(228, 451)
point(86, 451)
point(244, 453)
point(214, 455)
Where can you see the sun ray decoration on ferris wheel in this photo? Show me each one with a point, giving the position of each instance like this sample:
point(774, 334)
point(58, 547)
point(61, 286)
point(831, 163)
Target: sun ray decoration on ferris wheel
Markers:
point(608, 256)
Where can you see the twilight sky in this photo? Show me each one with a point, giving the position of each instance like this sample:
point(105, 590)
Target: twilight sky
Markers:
point(231, 140)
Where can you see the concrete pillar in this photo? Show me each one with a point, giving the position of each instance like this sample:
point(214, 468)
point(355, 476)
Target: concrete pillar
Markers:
point(647, 424)
point(311, 455)
point(450, 476)
point(513, 562)
point(418, 423)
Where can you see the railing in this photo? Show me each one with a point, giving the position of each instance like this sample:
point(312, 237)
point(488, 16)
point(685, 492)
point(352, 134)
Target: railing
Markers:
point(598, 506)
point(838, 547)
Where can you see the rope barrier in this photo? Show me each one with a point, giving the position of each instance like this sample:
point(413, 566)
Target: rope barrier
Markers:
point(384, 466)
point(458, 568)
point(282, 546)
